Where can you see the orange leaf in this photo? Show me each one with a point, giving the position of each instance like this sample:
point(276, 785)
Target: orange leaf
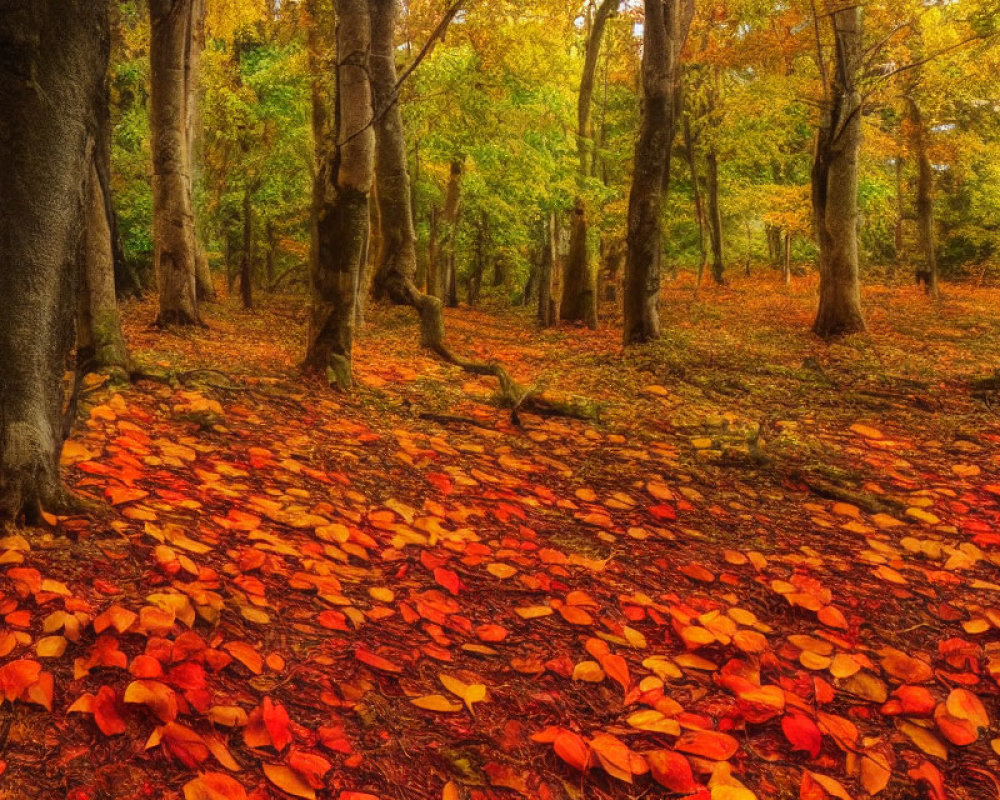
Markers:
point(106, 712)
point(246, 655)
point(708, 744)
point(572, 749)
point(276, 721)
point(214, 786)
point(372, 660)
point(672, 770)
point(310, 766)
point(289, 781)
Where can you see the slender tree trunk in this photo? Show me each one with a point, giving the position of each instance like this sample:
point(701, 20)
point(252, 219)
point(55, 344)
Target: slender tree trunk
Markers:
point(547, 316)
point(699, 210)
point(788, 259)
point(100, 344)
point(835, 182)
point(449, 231)
point(340, 211)
point(173, 218)
point(714, 215)
point(246, 262)
point(52, 72)
point(272, 247)
point(898, 244)
point(579, 298)
point(196, 45)
point(925, 195)
point(433, 256)
point(664, 32)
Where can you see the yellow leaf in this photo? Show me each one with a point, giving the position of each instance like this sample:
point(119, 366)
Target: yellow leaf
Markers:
point(589, 671)
point(924, 739)
point(436, 702)
point(51, 647)
point(289, 781)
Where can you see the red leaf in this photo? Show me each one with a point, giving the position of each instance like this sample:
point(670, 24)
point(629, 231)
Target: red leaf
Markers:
point(372, 660)
point(448, 579)
point(276, 721)
point(310, 766)
point(672, 770)
point(106, 712)
point(802, 733)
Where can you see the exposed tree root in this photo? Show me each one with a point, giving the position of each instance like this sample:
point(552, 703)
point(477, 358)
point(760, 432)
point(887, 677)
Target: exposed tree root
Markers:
point(402, 291)
point(863, 500)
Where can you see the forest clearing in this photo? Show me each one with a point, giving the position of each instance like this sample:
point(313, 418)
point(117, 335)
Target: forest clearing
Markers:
point(480, 399)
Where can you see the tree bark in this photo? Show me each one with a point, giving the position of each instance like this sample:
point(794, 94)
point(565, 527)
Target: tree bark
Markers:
point(579, 298)
point(53, 59)
point(925, 195)
point(547, 316)
point(835, 181)
point(664, 32)
point(173, 218)
point(246, 262)
point(340, 208)
point(714, 214)
point(699, 210)
point(196, 45)
point(100, 343)
point(448, 232)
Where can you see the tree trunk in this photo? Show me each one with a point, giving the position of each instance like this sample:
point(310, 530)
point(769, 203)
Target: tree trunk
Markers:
point(100, 344)
point(204, 287)
point(579, 297)
point(173, 218)
point(898, 245)
point(52, 72)
point(340, 208)
point(664, 32)
point(788, 258)
point(835, 182)
point(449, 231)
point(699, 211)
point(547, 316)
point(925, 196)
point(246, 262)
point(433, 255)
point(714, 214)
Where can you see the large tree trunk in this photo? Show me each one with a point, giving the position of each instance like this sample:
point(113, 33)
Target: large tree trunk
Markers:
point(340, 210)
point(173, 218)
point(835, 181)
point(53, 58)
point(714, 214)
point(664, 32)
point(579, 299)
point(925, 195)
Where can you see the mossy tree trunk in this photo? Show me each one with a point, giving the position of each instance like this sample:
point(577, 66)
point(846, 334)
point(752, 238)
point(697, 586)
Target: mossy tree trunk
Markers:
point(835, 179)
point(55, 56)
point(340, 207)
point(664, 33)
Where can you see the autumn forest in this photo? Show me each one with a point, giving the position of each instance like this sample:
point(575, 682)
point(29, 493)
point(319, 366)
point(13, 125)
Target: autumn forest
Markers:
point(480, 399)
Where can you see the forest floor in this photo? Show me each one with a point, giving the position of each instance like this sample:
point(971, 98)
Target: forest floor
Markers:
point(770, 568)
